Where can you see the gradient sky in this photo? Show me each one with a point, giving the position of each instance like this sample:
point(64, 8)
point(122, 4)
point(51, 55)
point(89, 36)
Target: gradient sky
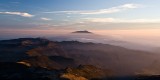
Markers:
point(79, 14)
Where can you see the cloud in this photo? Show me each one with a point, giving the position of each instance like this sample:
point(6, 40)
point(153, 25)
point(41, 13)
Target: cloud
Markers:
point(116, 20)
point(46, 19)
point(23, 14)
point(102, 11)
point(15, 2)
point(99, 19)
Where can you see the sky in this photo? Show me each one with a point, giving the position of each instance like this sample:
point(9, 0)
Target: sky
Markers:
point(20, 17)
point(79, 14)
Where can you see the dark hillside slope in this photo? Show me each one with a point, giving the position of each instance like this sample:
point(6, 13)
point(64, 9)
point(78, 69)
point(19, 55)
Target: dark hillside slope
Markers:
point(35, 52)
point(121, 60)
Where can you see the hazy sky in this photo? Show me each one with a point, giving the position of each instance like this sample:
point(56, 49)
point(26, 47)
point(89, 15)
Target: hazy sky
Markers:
point(134, 20)
point(79, 14)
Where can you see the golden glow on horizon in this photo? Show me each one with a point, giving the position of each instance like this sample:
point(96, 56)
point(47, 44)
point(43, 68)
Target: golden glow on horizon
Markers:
point(144, 36)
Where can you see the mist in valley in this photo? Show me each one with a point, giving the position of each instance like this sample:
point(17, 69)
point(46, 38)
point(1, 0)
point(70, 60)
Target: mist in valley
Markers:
point(147, 39)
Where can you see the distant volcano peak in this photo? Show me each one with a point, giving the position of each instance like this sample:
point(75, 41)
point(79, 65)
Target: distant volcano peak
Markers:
point(83, 31)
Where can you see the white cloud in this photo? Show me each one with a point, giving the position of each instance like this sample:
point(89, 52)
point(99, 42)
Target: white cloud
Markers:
point(68, 16)
point(99, 19)
point(116, 20)
point(23, 14)
point(46, 19)
point(101, 11)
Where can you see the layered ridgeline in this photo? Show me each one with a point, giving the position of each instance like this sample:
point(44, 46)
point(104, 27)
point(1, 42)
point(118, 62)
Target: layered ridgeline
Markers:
point(39, 59)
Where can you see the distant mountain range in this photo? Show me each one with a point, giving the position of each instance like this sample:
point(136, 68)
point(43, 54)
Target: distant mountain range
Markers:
point(85, 31)
point(73, 60)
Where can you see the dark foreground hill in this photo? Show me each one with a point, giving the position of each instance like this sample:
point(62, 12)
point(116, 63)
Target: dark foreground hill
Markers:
point(16, 71)
point(41, 59)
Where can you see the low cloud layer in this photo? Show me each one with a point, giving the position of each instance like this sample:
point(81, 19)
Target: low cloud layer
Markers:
point(23, 14)
point(45, 19)
point(116, 20)
point(102, 11)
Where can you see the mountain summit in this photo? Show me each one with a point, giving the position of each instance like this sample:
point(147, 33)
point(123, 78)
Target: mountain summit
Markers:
point(85, 31)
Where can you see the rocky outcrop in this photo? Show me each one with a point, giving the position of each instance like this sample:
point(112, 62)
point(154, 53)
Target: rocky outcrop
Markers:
point(86, 72)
